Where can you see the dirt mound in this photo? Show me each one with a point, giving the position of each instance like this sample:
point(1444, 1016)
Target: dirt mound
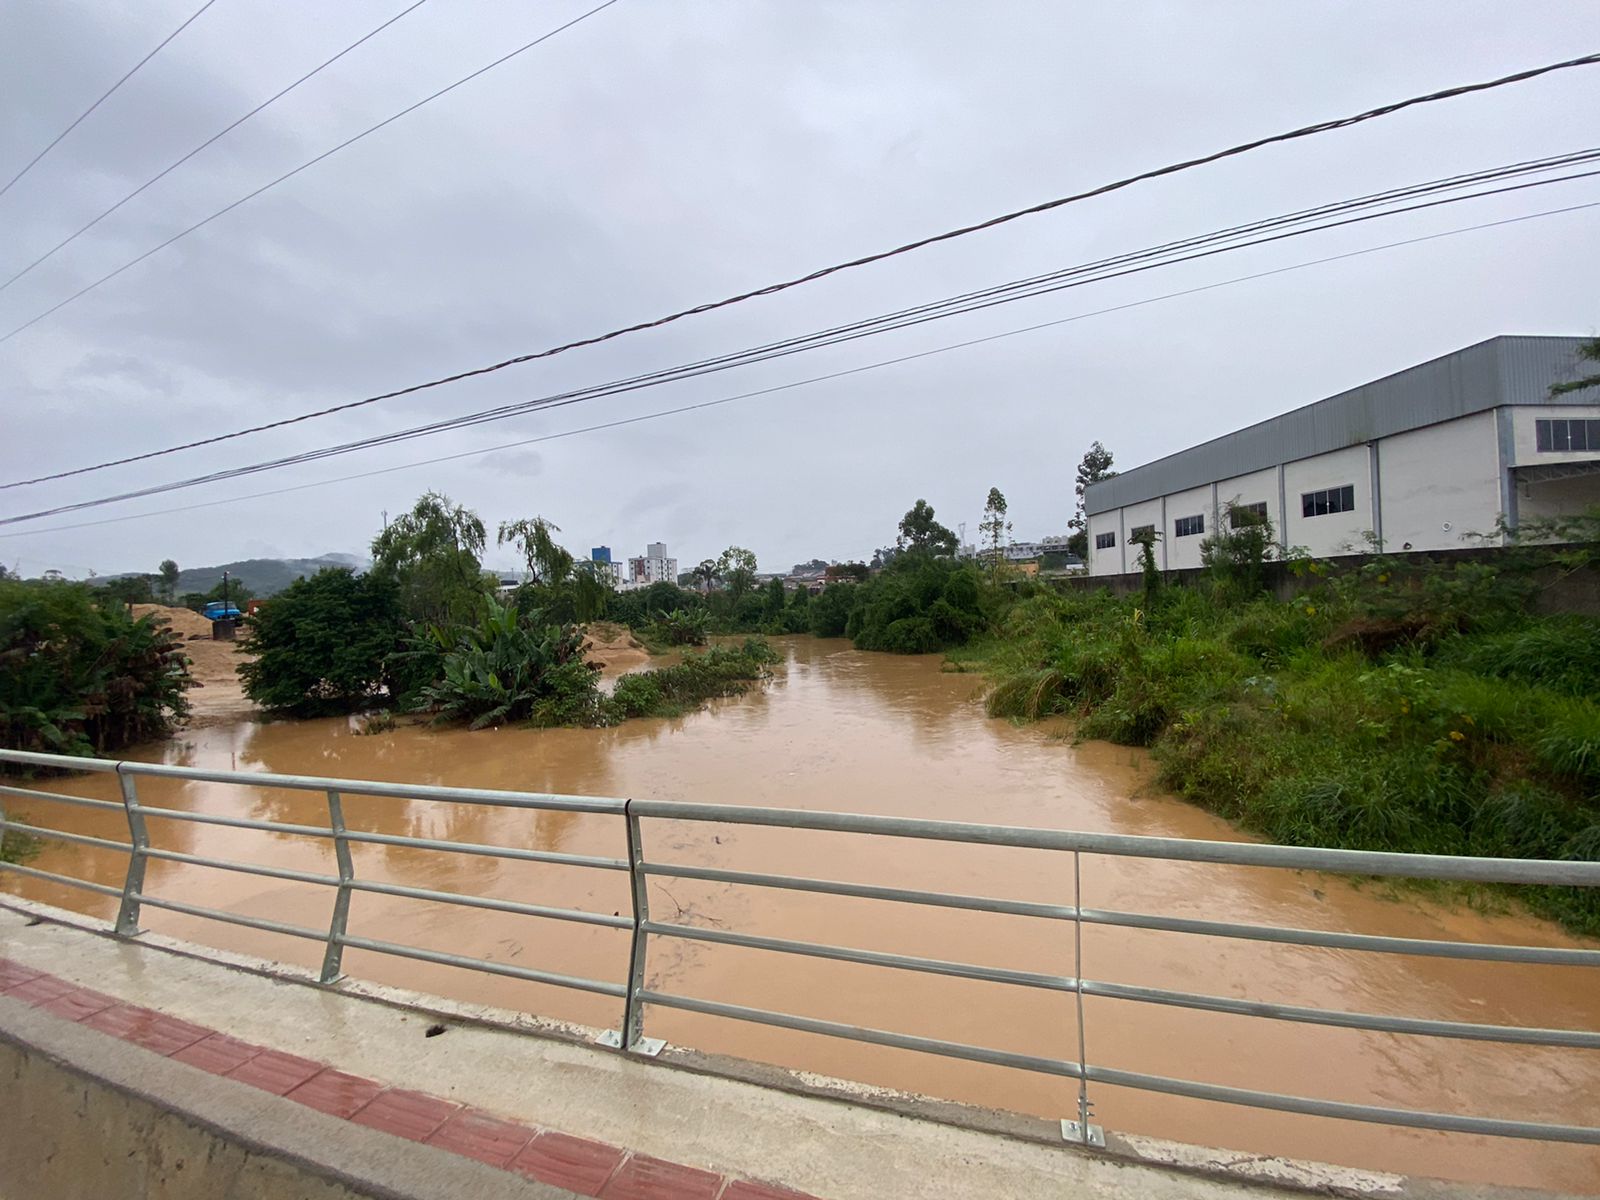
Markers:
point(613, 649)
point(184, 621)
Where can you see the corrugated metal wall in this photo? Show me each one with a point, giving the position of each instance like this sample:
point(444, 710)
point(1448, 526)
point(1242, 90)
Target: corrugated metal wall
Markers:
point(1502, 370)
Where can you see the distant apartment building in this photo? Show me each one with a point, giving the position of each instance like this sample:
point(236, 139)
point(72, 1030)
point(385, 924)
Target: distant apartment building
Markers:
point(653, 566)
point(1429, 458)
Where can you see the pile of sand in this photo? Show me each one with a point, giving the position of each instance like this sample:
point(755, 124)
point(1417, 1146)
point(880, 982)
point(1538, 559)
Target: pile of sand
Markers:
point(185, 622)
point(613, 649)
point(217, 695)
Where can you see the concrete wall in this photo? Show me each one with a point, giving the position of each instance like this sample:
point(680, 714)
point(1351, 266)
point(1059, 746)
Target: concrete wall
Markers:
point(1526, 447)
point(1440, 484)
point(1335, 533)
point(87, 1115)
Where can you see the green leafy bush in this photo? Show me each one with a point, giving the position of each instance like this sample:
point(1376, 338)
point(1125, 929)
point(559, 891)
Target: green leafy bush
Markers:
point(670, 691)
point(78, 675)
point(918, 604)
point(509, 667)
point(324, 644)
point(1422, 709)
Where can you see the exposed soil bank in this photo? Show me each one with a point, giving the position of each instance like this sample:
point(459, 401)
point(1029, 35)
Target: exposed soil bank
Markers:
point(842, 730)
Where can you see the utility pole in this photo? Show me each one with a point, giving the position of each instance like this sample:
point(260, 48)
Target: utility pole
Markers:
point(224, 595)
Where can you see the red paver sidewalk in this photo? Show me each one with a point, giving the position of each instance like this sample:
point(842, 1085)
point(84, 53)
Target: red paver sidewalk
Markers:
point(575, 1163)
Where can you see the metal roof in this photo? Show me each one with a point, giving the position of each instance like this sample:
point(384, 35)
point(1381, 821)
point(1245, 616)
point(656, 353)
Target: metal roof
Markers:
point(1511, 369)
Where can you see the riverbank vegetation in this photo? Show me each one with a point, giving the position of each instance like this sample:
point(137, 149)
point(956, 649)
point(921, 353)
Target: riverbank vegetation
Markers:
point(1394, 706)
point(428, 631)
point(79, 675)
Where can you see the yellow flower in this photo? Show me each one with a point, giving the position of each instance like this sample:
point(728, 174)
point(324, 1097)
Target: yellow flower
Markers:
point(1310, 611)
point(1468, 719)
point(1383, 579)
point(1457, 736)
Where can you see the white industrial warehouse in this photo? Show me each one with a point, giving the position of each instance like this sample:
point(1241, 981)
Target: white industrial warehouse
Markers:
point(1426, 459)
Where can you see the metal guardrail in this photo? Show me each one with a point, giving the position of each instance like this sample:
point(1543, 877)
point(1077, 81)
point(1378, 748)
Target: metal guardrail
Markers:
point(635, 995)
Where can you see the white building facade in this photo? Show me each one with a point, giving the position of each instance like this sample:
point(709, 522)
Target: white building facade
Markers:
point(1430, 458)
point(653, 566)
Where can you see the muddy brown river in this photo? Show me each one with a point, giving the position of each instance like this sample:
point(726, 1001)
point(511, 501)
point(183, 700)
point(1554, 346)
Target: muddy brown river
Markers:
point(837, 729)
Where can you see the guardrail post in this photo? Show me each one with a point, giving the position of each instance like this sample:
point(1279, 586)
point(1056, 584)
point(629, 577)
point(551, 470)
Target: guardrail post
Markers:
point(1082, 1131)
point(333, 957)
point(139, 841)
point(633, 1009)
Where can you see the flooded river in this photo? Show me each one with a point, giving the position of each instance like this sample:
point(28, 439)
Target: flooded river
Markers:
point(841, 730)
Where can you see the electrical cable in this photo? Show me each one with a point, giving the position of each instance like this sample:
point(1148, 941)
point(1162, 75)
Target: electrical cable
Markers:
point(689, 371)
point(705, 404)
point(214, 138)
point(1513, 170)
point(32, 162)
point(878, 256)
point(287, 175)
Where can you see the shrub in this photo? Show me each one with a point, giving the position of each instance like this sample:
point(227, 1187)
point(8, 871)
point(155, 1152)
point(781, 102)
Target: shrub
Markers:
point(326, 644)
point(918, 604)
point(829, 611)
point(669, 691)
point(80, 676)
point(509, 667)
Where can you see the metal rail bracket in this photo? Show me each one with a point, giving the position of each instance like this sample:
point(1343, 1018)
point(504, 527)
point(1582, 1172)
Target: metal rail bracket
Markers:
point(648, 1046)
point(1072, 1132)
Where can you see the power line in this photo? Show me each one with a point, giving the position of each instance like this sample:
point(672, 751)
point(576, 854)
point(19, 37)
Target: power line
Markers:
point(287, 175)
point(54, 142)
point(723, 400)
point(770, 289)
point(917, 316)
point(1374, 199)
point(216, 137)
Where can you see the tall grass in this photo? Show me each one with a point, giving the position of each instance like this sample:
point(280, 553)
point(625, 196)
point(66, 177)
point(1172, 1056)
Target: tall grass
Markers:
point(1385, 710)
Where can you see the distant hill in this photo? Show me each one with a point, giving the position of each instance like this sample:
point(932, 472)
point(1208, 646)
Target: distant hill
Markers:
point(262, 576)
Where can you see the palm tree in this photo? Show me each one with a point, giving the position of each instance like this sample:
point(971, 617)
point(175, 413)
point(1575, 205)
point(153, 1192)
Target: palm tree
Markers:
point(706, 573)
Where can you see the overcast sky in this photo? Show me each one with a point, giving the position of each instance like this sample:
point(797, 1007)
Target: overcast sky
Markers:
point(661, 154)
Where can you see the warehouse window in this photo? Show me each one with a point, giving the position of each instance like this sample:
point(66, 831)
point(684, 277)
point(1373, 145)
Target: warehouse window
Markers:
point(1189, 526)
point(1241, 516)
point(1557, 436)
point(1104, 541)
point(1328, 500)
point(1140, 533)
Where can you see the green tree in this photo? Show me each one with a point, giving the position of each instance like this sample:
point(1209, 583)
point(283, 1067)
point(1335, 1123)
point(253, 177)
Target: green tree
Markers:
point(737, 569)
point(828, 613)
point(1237, 551)
point(706, 573)
point(996, 531)
point(921, 534)
point(549, 563)
point(1095, 467)
point(1589, 350)
point(169, 579)
point(323, 645)
point(431, 555)
point(78, 675)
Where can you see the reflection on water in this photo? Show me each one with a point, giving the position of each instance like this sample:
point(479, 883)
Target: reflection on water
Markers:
point(841, 730)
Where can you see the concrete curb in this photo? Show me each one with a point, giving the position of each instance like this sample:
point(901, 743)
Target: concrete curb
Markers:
point(84, 1105)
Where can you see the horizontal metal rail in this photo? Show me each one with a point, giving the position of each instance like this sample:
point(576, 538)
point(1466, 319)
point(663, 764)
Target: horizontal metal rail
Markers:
point(232, 918)
point(1512, 1034)
point(224, 864)
point(58, 835)
point(318, 783)
point(577, 915)
point(1239, 854)
point(1342, 1110)
point(877, 958)
point(860, 1033)
point(179, 814)
point(65, 880)
point(488, 851)
point(443, 958)
point(1426, 947)
point(796, 883)
point(637, 996)
point(59, 798)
